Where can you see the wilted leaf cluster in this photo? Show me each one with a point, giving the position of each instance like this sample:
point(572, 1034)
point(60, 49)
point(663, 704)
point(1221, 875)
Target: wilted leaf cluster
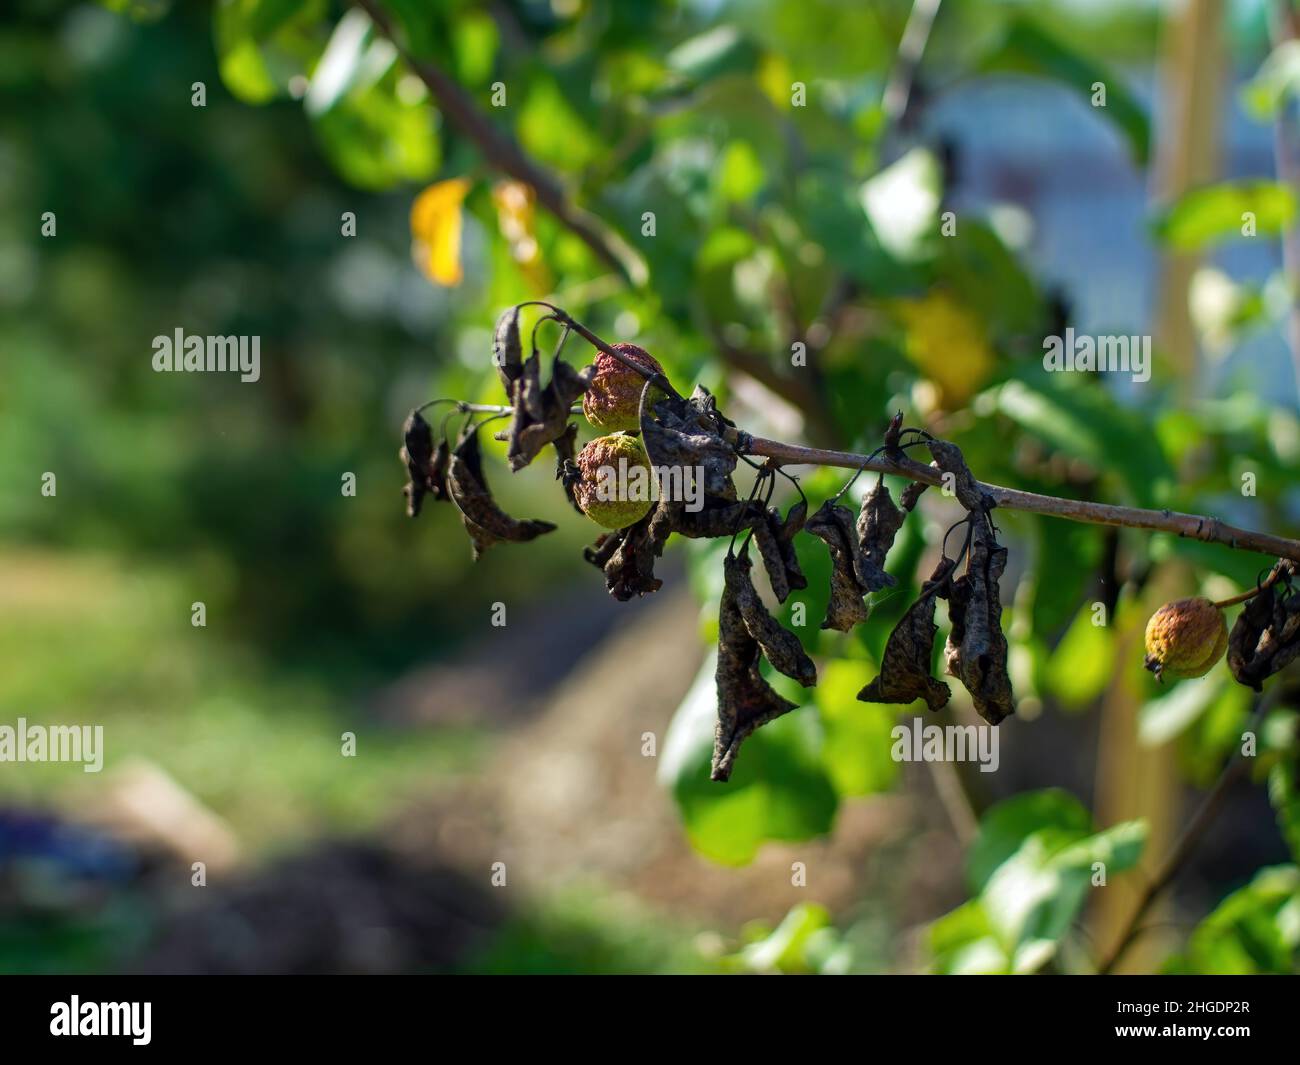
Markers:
point(1266, 636)
point(486, 523)
point(747, 634)
point(541, 415)
point(690, 440)
point(976, 652)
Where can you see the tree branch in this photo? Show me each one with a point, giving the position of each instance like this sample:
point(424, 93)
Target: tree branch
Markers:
point(504, 154)
point(1193, 526)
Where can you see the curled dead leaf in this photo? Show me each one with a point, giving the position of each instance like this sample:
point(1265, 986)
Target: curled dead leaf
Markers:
point(745, 699)
point(878, 523)
point(485, 522)
point(779, 645)
point(834, 526)
point(1266, 635)
point(977, 650)
point(905, 666)
point(426, 464)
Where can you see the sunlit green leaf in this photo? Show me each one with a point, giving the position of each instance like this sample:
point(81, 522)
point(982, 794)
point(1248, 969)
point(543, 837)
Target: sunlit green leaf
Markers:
point(1254, 930)
point(1080, 667)
point(858, 742)
point(263, 44)
point(1207, 215)
point(902, 202)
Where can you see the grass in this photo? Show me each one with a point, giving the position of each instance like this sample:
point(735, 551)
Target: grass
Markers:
point(84, 641)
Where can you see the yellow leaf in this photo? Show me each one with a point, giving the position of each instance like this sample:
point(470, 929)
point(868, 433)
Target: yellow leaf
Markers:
point(437, 220)
point(947, 343)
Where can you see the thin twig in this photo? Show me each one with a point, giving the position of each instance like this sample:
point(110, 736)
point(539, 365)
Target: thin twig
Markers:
point(916, 34)
point(1186, 843)
point(503, 153)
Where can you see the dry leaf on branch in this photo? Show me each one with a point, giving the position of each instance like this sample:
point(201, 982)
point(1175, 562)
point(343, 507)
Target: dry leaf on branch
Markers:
point(977, 650)
point(834, 526)
point(485, 522)
point(426, 465)
point(627, 556)
point(687, 434)
point(775, 539)
point(541, 415)
point(507, 350)
point(948, 458)
point(878, 523)
point(905, 666)
point(745, 699)
point(779, 645)
point(1266, 635)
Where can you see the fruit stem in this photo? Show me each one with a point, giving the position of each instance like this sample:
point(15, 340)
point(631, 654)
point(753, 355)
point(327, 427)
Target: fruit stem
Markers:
point(1240, 598)
point(591, 338)
point(1277, 571)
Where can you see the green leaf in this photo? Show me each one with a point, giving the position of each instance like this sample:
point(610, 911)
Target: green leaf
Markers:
point(375, 135)
point(858, 736)
point(902, 203)
point(263, 44)
point(779, 790)
point(786, 948)
point(1032, 865)
point(1027, 49)
point(1067, 555)
point(1208, 215)
point(1007, 824)
point(962, 943)
point(1254, 930)
point(1080, 667)
point(712, 54)
point(1160, 720)
point(553, 131)
point(340, 64)
point(1087, 423)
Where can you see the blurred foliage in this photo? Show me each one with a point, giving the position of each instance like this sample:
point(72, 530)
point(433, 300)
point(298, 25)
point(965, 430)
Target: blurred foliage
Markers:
point(1030, 869)
point(780, 191)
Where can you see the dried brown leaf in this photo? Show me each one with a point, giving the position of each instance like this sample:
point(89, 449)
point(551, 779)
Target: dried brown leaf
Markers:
point(507, 349)
point(977, 650)
point(948, 458)
point(1266, 635)
point(541, 415)
point(745, 699)
point(834, 526)
point(878, 523)
point(905, 666)
point(780, 646)
point(485, 522)
point(687, 433)
point(627, 556)
point(425, 464)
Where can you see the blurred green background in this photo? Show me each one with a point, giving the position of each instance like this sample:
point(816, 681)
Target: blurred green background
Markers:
point(768, 173)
